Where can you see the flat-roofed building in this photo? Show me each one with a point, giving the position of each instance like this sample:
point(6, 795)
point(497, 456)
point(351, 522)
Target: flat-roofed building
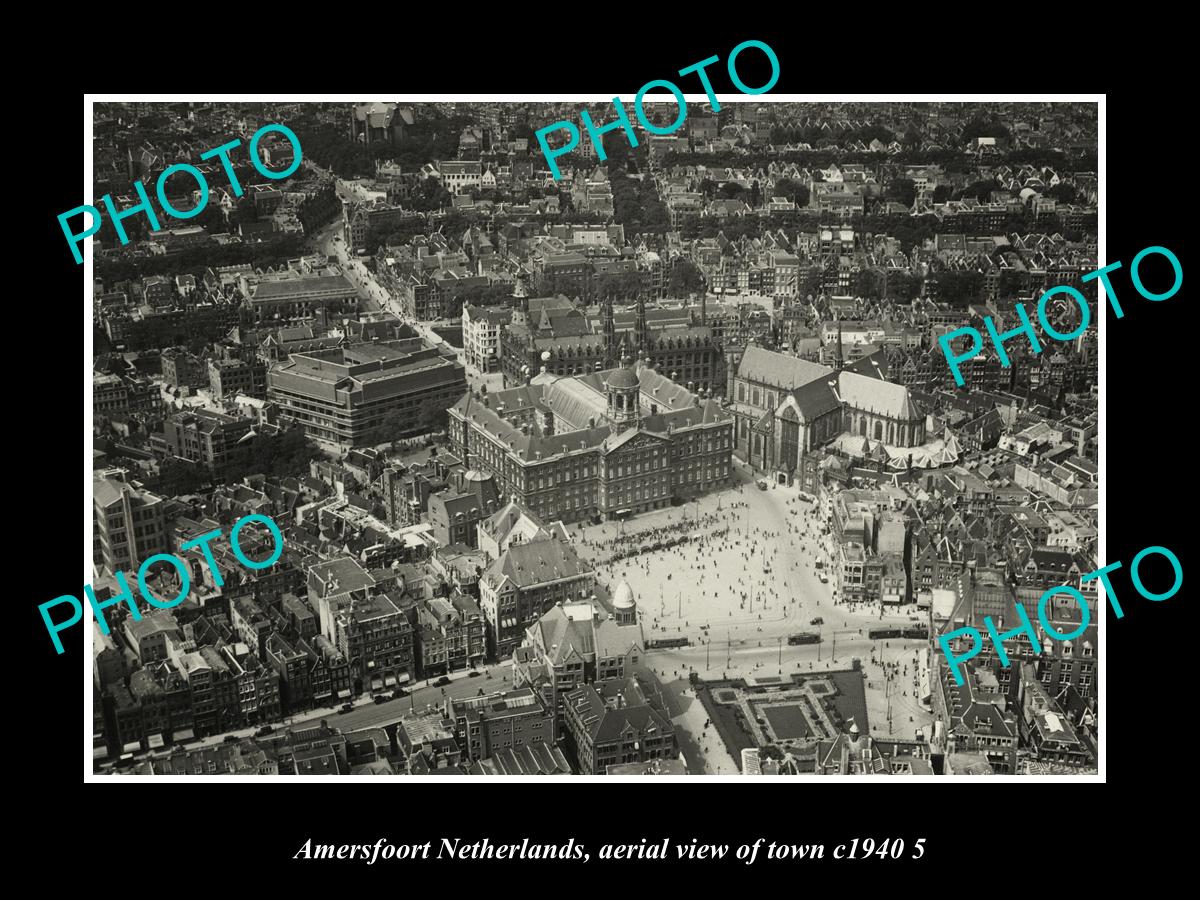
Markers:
point(114, 394)
point(376, 637)
point(148, 636)
point(228, 377)
point(618, 721)
point(481, 335)
point(509, 720)
point(129, 525)
point(342, 395)
point(212, 439)
point(290, 295)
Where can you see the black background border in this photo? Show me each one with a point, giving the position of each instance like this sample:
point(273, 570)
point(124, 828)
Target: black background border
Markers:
point(1147, 397)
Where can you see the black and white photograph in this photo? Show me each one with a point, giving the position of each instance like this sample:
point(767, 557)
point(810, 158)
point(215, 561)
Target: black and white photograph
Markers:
point(475, 438)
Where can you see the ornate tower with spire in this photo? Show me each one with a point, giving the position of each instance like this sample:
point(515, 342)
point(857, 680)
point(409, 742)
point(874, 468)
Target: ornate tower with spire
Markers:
point(840, 362)
point(610, 335)
point(640, 335)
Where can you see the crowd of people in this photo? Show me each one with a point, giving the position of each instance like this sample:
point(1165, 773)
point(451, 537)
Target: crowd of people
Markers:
point(630, 544)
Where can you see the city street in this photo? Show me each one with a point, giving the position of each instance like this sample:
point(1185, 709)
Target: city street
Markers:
point(368, 714)
point(374, 297)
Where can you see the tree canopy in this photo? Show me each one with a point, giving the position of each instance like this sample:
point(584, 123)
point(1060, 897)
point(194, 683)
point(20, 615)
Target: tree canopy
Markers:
point(686, 278)
point(793, 190)
point(195, 260)
point(902, 190)
point(428, 195)
point(287, 453)
point(959, 288)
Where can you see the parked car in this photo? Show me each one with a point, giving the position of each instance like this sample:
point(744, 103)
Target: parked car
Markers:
point(817, 621)
point(441, 682)
point(762, 485)
point(231, 739)
point(824, 578)
point(474, 673)
point(264, 731)
point(346, 707)
point(381, 698)
point(398, 693)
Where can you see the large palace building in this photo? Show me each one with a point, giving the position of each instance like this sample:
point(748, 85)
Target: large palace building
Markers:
point(608, 443)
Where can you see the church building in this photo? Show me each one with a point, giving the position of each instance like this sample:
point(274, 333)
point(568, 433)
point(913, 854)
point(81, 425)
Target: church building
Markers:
point(785, 408)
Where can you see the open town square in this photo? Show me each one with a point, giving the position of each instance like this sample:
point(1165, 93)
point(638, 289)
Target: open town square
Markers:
point(746, 579)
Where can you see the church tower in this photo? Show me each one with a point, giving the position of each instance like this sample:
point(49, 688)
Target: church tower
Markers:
point(610, 335)
point(622, 387)
point(840, 362)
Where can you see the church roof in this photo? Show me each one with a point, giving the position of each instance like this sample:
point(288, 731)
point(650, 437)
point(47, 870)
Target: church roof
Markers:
point(815, 399)
point(779, 369)
point(876, 396)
